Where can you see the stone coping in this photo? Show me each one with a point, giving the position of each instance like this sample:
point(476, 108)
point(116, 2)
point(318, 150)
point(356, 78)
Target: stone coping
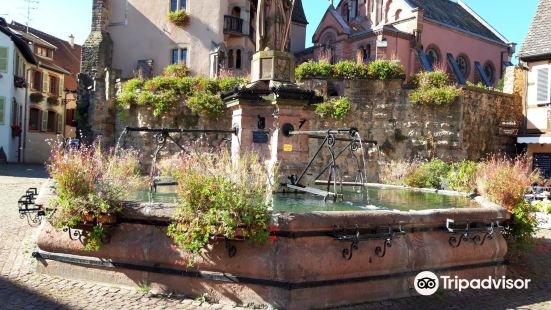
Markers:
point(162, 213)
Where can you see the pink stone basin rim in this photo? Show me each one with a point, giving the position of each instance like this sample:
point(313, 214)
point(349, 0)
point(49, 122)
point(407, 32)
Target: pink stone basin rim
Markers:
point(314, 254)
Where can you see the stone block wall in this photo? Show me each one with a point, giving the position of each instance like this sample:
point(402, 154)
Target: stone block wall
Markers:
point(466, 129)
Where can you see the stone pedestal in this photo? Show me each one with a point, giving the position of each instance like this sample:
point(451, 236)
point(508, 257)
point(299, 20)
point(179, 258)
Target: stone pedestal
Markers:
point(272, 66)
point(289, 154)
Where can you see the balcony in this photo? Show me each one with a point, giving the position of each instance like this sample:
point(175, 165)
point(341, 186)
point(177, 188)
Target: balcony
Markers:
point(233, 25)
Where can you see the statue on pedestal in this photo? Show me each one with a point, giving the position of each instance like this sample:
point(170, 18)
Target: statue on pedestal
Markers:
point(273, 24)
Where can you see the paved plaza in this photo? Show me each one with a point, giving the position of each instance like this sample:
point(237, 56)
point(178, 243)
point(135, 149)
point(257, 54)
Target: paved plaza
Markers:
point(22, 288)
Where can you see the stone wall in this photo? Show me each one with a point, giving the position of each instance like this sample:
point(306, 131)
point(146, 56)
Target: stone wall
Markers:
point(466, 129)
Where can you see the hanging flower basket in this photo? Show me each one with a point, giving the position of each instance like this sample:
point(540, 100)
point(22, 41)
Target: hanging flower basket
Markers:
point(53, 100)
point(36, 97)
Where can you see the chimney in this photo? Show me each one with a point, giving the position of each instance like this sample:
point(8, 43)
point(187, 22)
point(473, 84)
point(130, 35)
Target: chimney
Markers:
point(72, 41)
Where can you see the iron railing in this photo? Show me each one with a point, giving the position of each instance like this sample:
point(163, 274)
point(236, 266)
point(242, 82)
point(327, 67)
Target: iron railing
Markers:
point(233, 24)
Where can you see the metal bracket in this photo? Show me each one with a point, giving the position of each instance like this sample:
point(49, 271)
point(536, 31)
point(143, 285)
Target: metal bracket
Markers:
point(356, 234)
point(28, 209)
point(478, 235)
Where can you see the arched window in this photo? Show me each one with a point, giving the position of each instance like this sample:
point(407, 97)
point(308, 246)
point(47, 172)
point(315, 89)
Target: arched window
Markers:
point(397, 14)
point(238, 59)
point(379, 11)
point(346, 12)
point(433, 55)
point(490, 71)
point(464, 65)
point(236, 11)
point(230, 59)
point(327, 52)
point(353, 9)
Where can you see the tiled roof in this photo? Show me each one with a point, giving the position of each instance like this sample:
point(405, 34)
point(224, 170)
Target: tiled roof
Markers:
point(66, 58)
point(538, 39)
point(298, 13)
point(455, 15)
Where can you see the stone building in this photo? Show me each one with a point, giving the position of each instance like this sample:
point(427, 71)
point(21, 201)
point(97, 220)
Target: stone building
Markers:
point(219, 35)
point(423, 35)
point(50, 91)
point(535, 85)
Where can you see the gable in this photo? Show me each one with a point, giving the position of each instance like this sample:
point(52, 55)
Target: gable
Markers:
point(331, 19)
point(454, 15)
point(538, 39)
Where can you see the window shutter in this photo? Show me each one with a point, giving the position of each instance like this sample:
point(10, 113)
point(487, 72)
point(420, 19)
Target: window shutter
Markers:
point(4, 59)
point(2, 110)
point(60, 82)
point(542, 85)
point(45, 83)
point(44, 126)
point(59, 127)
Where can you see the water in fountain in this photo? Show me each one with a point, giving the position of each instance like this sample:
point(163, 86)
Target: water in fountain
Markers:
point(118, 145)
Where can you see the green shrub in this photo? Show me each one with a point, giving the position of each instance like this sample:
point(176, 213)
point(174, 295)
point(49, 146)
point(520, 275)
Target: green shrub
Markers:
point(542, 205)
point(462, 176)
point(384, 69)
point(207, 104)
point(336, 108)
point(165, 93)
point(36, 97)
point(220, 198)
point(348, 70)
point(428, 175)
point(179, 18)
point(179, 70)
point(312, 69)
point(432, 89)
point(396, 171)
point(520, 233)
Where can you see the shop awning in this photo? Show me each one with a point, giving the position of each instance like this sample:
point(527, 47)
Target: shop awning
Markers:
point(534, 139)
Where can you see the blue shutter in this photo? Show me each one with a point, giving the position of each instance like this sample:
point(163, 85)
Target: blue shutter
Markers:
point(174, 56)
point(183, 4)
point(183, 56)
point(173, 5)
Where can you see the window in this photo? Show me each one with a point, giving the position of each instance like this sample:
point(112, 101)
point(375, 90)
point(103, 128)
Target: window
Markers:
point(367, 52)
point(543, 87)
point(44, 52)
point(230, 59)
point(54, 86)
point(179, 55)
point(490, 72)
point(379, 11)
point(37, 80)
point(433, 56)
point(346, 12)
point(353, 9)
point(176, 5)
point(4, 59)
point(2, 110)
point(236, 11)
point(542, 162)
point(34, 119)
point(238, 59)
point(51, 121)
point(70, 117)
point(463, 64)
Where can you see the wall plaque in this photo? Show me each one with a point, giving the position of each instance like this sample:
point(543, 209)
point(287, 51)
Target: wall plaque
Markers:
point(261, 137)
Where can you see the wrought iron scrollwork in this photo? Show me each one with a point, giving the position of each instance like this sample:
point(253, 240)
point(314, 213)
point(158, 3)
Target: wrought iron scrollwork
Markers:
point(29, 210)
point(75, 234)
point(232, 249)
point(356, 234)
point(477, 235)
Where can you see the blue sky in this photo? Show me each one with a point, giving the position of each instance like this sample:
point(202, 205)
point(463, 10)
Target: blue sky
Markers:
point(64, 17)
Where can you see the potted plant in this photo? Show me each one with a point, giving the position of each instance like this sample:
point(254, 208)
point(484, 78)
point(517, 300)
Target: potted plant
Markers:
point(15, 131)
point(36, 97)
point(179, 18)
point(52, 100)
point(91, 184)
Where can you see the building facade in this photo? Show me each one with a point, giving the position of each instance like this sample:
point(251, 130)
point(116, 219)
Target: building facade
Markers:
point(218, 37)
point(535, 57)
point(421, 34)
point(38, 99)
point(15, 57)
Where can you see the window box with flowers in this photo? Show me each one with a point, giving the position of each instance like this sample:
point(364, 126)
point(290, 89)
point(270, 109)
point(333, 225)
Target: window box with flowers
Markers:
point(53, 100)
point(179, 18)
point(15, 131)
point(36, 97)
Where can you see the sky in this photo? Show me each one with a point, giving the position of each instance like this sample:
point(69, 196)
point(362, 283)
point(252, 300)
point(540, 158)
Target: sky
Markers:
point(64, 17)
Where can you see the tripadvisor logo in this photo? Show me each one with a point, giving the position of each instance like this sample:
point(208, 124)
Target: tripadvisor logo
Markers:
point(427, 283)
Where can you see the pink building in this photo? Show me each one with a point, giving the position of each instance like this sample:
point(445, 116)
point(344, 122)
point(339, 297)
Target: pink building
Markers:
point(422, 34)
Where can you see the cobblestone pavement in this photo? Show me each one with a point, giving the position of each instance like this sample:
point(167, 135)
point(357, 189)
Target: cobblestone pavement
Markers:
point(21, 288)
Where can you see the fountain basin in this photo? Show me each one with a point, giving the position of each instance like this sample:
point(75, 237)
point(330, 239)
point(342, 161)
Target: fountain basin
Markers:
point(304, 267)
